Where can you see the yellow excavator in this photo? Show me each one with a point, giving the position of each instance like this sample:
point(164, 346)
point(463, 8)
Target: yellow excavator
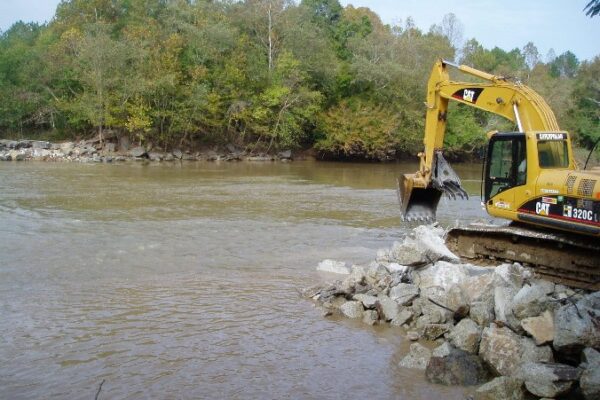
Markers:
point(530, 177)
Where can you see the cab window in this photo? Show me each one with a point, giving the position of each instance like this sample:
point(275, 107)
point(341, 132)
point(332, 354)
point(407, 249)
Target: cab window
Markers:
point(553, 153)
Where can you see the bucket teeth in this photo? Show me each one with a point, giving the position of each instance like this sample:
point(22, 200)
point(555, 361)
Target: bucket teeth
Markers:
point(446, 180)
point(422, 217)
point(453, 190)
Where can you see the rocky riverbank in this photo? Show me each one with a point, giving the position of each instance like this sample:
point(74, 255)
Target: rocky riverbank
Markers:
point(95, 150)
point(503, 329)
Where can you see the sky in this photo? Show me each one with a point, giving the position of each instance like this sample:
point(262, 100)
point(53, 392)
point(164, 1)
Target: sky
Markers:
point(560, 25)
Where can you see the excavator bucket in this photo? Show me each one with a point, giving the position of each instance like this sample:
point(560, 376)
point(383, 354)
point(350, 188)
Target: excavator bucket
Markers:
point(417, 204)
point(420, 203)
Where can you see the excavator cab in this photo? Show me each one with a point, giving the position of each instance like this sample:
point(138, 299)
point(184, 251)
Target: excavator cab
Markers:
point(506, 163)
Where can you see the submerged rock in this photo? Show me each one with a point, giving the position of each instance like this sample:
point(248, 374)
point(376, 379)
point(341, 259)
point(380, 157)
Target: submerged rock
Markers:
point(456, 368)
point(333, 266)
point(370, 317)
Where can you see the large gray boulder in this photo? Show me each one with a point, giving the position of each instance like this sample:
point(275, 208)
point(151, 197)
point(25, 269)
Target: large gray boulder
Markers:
point(404, 293)
point(388, 308)
point(67, 148)
point(466, 336)
point(442, 350)
point(457, 298)
point(442, 274)
point(482, 311)
point(435, 331)
point(404, 316)
point(590, 378)
point(503, 306)
point(368, 301)
point(155, 156)
point(39, 144)
point(508, 275)
point(457, 368)
point(548, 379)
point(424, 245)
point(503, 350)
point(355, 281)
point(480, 284)
point(352, 309)
point(377, 275)
point(501, 388)
point(430, 305)
point(533, 353)
point(17, 155)
point(41, 154)
point(578, 325)
point(417, 358)
point(178, 154)
point(530, 301)
point(137, 152)
point(284, 155)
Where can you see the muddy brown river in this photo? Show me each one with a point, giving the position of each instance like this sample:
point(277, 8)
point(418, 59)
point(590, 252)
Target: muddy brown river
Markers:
point(181, 280)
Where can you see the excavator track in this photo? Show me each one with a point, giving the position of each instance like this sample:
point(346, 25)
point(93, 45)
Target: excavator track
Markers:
point(561, 258)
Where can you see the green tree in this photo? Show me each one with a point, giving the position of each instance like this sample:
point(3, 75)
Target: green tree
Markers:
point(100, 64)
point(285, 111)
point(358, 129)
point(584, 116)
point(23, 103)
point(592, 8)
point(565, 65)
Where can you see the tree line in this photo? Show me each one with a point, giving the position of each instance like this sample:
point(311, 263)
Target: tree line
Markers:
point(262, 74)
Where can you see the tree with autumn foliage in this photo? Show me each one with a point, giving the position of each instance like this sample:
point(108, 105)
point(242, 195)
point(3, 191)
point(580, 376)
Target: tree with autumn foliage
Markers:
point(263, 75)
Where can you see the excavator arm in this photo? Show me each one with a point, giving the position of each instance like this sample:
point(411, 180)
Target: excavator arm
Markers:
point(419, 193)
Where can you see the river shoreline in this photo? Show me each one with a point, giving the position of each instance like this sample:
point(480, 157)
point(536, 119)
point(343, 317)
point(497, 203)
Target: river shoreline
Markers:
point(503, 329)
point(96, 151)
